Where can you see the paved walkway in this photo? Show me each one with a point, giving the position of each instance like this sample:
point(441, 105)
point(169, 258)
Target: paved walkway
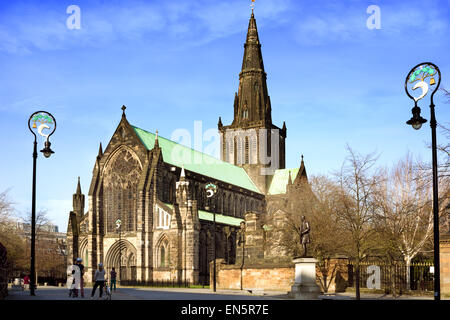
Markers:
point(371, 296)
point(61, 293)
point(132, 293)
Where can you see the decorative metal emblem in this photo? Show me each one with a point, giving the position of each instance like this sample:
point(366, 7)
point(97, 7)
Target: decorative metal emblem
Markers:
point(40, 121)
point(422, 76)
point(211, 189)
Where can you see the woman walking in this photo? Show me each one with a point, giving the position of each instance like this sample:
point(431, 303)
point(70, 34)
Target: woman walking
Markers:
point(99, 279)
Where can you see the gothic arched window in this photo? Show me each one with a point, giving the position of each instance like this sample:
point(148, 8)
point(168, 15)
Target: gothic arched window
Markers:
point(163, 254)
point(245, 114)
point(171, 191)
point(163, 257)
point(120, 179)
point(235, 150)
point(247, 150)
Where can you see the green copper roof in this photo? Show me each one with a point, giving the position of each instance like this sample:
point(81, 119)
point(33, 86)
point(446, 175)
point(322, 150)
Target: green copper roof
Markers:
point(280, 180)
point(220, 218)
point(195, 161)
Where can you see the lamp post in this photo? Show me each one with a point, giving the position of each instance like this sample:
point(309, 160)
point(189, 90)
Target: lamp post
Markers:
point(211, 190)
point(48, 122)
point(415, 79)
point(242, 241)
point(118, 227)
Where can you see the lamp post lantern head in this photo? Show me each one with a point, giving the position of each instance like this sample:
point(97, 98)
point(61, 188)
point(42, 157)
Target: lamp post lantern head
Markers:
point(47, 151)
point(416, 120)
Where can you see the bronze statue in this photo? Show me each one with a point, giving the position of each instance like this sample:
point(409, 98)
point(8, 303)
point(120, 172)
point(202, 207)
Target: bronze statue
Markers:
point(304, 234)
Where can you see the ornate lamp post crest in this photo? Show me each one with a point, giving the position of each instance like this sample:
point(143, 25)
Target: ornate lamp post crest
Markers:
point(211, 189)
point(118, 223)
point(40, 121)
point(424, 76)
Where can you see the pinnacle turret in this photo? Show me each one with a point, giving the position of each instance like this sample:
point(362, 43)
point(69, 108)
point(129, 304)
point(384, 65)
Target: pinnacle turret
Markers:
point(78, 192)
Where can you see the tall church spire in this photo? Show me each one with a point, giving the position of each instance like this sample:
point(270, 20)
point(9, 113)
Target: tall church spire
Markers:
point(252, 136)
point(252, 102)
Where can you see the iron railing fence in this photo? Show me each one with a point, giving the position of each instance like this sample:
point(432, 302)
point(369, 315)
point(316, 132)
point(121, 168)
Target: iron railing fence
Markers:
point(421, 276)
point(157, 283)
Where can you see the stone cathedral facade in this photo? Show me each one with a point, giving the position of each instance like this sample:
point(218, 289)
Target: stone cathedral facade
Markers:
point(156, 188)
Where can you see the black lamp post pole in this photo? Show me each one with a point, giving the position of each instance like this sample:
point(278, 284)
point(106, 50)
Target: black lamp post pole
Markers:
point(416, 121)
point(211, 190)
point(437, 276)
point(47, 118)
point(33, 223)
point(214, 243)
point(120, 255)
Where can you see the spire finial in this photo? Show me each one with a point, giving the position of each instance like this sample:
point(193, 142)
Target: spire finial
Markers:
point(302, 171)
point(252, 6)
point(100, 150)
point(156, 139)
point(78, 186)
point(183, 174)
point(123, 110)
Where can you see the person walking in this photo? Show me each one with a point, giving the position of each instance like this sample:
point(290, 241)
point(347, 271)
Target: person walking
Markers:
point(81, 266)
point(113, 277)
point(26, 282)
point(99, 278)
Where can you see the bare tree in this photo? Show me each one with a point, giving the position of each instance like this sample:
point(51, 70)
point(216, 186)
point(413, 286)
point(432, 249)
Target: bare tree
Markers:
point(6, 208)
point(41, 221)
point(356, 206)
point(315, 200)
point(404, 215)
point(9, 235)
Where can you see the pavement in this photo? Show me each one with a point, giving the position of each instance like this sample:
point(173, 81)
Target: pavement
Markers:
point(133, 293)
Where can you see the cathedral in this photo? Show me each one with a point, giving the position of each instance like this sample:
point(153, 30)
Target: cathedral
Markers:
point(148, 214)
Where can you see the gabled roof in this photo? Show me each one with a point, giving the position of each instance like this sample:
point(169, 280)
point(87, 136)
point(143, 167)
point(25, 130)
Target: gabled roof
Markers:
point(280, 180)
point(198, 162)
point(283, 177)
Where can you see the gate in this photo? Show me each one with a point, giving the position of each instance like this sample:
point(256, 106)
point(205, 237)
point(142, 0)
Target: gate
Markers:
point(421, 277)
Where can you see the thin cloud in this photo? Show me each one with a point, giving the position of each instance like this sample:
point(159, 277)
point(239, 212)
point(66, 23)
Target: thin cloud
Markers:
point(346, 23)
point(26, 28)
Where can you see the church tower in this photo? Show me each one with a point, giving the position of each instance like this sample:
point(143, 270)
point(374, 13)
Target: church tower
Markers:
point(252, 141)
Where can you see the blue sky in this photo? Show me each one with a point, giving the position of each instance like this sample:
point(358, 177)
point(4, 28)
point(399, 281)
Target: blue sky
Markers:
point(333, 80)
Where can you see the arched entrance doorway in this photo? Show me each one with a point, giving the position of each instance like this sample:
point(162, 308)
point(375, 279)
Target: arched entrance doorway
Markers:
point(122, 256)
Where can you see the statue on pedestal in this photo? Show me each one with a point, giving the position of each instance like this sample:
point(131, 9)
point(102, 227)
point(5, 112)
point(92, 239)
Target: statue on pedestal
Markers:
point(304, 234)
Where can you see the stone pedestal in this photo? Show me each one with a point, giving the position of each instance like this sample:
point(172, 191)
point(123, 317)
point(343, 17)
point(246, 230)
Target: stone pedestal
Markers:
point(305, 286)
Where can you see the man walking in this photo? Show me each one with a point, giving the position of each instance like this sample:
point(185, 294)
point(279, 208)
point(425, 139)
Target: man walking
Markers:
point(113, 276)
